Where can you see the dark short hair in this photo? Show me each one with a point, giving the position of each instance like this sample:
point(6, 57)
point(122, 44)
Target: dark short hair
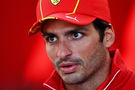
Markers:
point(100, 26)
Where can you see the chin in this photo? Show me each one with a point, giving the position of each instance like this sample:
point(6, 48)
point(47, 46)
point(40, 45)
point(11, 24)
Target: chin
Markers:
point(74, 78)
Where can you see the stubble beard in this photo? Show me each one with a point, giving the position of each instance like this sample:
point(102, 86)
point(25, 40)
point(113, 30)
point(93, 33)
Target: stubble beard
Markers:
point(91, 69)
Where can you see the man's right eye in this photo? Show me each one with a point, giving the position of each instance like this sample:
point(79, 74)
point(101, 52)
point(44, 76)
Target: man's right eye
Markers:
point(51, 39)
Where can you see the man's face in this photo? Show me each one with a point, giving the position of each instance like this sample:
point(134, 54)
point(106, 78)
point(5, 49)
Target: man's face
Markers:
point(74, 50)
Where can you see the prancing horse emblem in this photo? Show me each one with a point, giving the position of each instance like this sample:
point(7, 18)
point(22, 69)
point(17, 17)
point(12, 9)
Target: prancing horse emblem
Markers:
point(55, 2)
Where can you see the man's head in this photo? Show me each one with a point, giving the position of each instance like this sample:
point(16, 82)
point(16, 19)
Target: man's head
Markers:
point(77, 51)
point(77, 36)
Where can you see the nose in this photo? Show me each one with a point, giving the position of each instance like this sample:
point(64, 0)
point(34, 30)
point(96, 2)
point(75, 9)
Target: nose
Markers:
point(63, 51)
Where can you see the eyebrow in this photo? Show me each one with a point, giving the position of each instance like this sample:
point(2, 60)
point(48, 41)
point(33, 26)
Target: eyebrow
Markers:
point(47, 34)
point(76, 30)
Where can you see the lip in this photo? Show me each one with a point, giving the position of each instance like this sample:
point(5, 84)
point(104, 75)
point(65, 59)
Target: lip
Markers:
point(68, 67)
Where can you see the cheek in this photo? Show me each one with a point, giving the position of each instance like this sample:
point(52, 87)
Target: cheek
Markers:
point(50, 52)
point(90, 48)
point(85, 48)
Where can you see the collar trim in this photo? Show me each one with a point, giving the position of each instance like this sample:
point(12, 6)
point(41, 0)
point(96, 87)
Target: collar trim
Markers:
point(49, 86)
point(112, 79)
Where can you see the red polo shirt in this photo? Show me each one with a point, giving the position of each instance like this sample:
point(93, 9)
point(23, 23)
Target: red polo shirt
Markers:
point(120, 78)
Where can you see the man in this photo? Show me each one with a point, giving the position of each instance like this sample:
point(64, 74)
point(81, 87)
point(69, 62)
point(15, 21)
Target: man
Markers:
point(78, 37)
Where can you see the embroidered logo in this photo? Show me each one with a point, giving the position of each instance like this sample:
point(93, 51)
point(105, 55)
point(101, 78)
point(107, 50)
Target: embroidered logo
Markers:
point(55, 2)
point(73, 18)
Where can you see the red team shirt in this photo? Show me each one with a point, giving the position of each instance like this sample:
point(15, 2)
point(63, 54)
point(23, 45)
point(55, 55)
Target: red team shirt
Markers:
point(120, 77)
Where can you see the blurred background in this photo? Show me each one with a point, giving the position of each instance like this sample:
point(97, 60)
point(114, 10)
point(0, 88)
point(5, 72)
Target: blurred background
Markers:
point(24, 64)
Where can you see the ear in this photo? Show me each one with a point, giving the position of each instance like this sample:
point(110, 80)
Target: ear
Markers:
point(109, 37)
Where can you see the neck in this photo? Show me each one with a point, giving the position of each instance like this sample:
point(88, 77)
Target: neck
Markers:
point(94, 81)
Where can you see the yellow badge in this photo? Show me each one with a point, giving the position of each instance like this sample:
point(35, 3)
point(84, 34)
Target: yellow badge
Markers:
point(55, 2)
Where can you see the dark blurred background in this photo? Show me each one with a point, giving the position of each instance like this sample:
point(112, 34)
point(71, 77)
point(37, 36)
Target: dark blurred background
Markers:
point(24, 64)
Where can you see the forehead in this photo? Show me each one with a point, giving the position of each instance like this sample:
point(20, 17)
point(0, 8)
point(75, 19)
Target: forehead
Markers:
point(52, 25)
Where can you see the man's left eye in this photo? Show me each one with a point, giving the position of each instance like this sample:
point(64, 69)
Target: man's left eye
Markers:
point(77, 35)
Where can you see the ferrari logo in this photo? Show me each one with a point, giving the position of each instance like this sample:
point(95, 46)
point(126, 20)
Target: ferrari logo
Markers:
point(55, 2)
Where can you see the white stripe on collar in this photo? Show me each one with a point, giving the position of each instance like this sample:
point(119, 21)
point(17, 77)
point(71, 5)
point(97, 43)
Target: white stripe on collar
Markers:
point(49, 86)
point(112, 80)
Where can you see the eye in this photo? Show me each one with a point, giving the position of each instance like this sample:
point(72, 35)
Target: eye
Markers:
point(51, 39)
point(77, 35)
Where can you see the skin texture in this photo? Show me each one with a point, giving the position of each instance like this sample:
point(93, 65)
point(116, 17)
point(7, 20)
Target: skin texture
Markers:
point(79, 45)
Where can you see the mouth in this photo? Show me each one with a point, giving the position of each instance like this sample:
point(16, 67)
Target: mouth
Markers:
point(68, 67)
